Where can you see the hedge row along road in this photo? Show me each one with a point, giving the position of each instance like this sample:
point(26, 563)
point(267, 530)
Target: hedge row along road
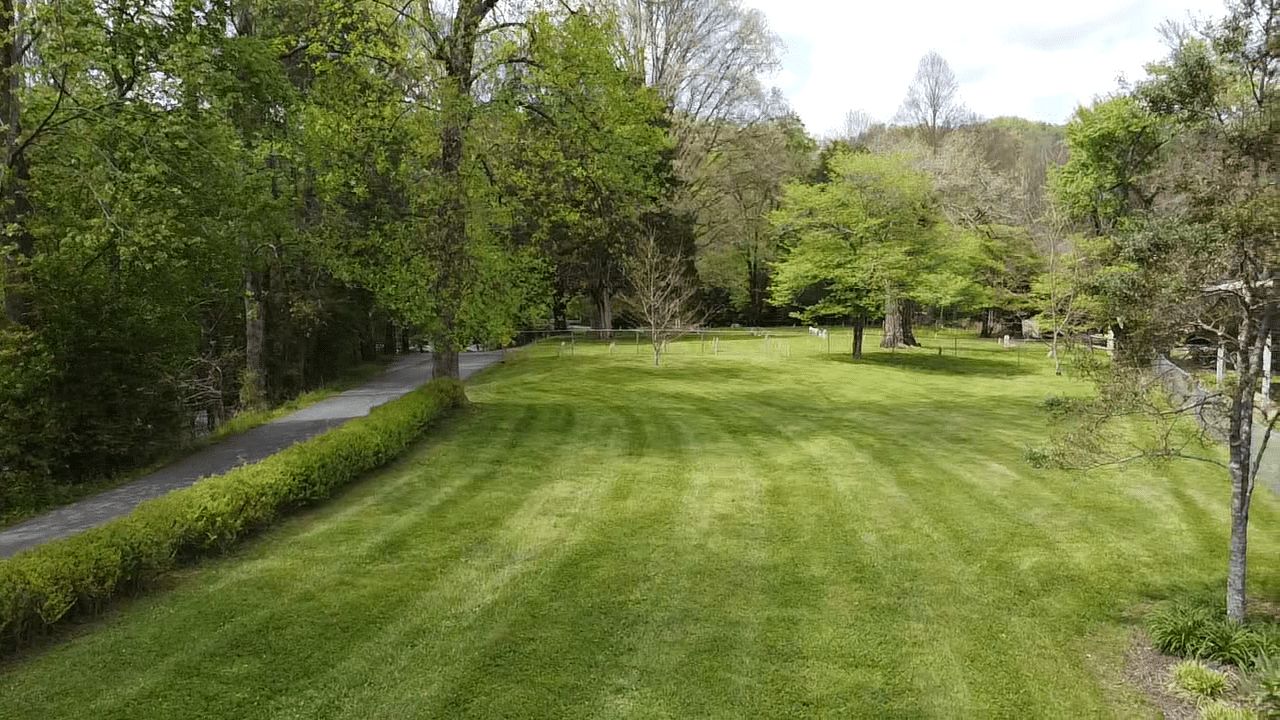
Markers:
point(248, 447)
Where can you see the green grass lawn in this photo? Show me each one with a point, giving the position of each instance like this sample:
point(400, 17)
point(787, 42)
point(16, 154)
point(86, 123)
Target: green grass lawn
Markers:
point(744, 535)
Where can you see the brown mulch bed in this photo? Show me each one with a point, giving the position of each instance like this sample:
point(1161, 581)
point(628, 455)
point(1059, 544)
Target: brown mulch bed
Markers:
point(1147, 671)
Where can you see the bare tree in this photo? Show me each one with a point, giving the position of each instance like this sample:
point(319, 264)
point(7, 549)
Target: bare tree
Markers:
point(662, 292)
point(706, 58)
point(933, 101)
point(855, 125)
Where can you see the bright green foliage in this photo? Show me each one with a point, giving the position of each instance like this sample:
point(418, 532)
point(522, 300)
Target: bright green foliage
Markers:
point(585, 154)
point(871, 230)
point(1114, 148)
point(1198, 680)
point(1181, 177)
point(1225, 711)
point(168, 178)
point(80, 575)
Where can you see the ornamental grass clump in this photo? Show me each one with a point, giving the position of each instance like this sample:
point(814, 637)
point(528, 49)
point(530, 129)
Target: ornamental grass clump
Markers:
point(1194, 679)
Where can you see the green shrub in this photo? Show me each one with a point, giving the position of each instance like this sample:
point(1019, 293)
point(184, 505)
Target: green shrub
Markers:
point(1235, 643)
point(1262, 687)
point(78, 575)
point(1179, 629)
point(1199, 631)
point(1193, 678)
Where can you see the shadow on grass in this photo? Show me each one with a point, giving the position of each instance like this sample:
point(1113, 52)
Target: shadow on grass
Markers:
point(923, 361)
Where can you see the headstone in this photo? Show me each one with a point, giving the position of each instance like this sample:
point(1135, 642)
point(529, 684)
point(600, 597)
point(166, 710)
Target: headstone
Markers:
point(1007, 343)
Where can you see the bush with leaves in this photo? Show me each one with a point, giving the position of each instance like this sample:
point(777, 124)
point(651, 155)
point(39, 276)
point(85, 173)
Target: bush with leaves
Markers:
point(80, 574)
point(1262, 688)
point(1193, 630)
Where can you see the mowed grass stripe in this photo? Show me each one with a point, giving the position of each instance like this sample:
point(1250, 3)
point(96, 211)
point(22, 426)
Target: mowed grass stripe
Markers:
point(733, 536)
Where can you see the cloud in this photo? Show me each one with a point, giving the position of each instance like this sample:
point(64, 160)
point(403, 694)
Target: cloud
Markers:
point(1011, 57)
point(1125, 21)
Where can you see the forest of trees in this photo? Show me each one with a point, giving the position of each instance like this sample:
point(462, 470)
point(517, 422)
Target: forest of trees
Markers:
point(211, 205)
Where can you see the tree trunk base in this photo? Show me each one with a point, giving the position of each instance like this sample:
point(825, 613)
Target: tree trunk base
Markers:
point(444, 363)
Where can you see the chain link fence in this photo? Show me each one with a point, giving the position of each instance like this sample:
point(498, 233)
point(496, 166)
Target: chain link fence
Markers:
point(1185, 390)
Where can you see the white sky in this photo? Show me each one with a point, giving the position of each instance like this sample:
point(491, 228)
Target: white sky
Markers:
point(1030, 58)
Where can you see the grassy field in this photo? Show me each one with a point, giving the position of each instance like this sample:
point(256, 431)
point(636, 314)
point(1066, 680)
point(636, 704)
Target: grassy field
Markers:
point(763, 532)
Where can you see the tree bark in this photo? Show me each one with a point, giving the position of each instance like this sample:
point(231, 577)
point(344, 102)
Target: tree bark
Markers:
point(603, 301)
point(1240, 464)
point(559, 313)
point(859, 329)
point(988, 322)
point(757, 290)
point(897, 321)
point(253, 390)
point(14, 204)
point(449, 250)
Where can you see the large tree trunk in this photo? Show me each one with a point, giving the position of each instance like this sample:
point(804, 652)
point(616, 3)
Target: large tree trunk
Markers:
point(389, 338)
point(559, 313)
point(603, 320)
point(757, 290)
point(14, 205)
point(444, 362)
point(988, 322)
point(898, 312)
point(859, 329)
point(449, 251)
point(253, 388)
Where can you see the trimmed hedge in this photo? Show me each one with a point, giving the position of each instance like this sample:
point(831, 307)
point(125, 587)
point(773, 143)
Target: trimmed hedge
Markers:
point(80, 574)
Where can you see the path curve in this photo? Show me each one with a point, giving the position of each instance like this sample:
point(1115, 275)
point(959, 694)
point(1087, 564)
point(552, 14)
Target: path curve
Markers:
point(248, 447)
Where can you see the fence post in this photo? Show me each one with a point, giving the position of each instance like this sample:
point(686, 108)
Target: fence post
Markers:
point(1222, 363)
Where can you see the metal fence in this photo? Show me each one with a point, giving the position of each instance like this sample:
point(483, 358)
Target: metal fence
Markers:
point(1186, 391)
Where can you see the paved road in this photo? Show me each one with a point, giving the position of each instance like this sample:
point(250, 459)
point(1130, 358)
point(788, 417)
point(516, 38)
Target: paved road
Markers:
point(247, 447)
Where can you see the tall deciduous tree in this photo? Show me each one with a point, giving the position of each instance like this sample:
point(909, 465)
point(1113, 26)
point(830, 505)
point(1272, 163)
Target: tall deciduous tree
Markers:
point(737, 243)
point(584, 157)
point(1203, 254)
point(865, 241)
point(706, 59)
point(933, 103)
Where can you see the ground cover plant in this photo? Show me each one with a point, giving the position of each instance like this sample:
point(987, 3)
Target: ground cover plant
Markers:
point(745, 533)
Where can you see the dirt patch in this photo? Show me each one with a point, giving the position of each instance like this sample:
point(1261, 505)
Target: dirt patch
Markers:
point(1147, 671)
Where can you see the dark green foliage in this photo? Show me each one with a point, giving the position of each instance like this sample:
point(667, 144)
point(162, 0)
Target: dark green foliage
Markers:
point(1262, 688)
point(81, 574)
point(1194, 630)
point(1178, 629)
